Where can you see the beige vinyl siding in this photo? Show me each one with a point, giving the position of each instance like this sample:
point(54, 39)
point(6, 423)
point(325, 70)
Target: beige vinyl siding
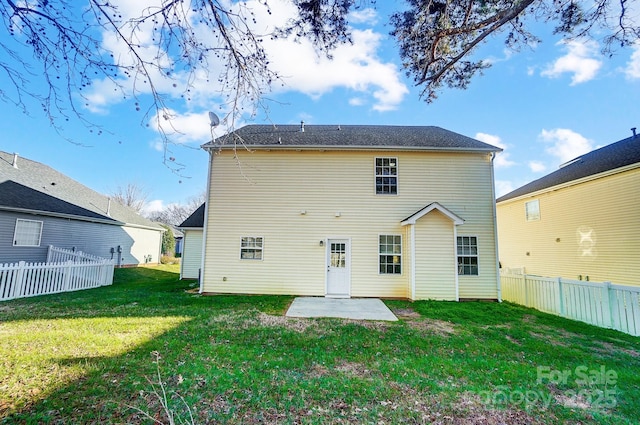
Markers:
point(144, 243)
point(192, 254)
point(264, 193)
point(589, 229)
point(435, 258)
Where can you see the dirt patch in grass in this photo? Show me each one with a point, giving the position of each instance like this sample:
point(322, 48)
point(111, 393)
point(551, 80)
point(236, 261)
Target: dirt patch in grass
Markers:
point(406, 313)
point(417, 322)
point(251, 318)
point(550, 339)
point(608, 349)
point(513, 340)
point(354, 369)
point(292, 323)
point(438, 327)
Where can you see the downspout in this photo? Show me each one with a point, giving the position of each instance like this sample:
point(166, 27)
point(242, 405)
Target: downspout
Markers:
point(207, 202)
point(495, 228)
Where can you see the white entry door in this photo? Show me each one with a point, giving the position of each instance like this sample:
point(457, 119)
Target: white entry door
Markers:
point(338, 268)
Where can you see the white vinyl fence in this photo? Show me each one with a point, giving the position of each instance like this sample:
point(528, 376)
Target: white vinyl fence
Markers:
point(61, 255)
point(30, 279)
point(601, 304)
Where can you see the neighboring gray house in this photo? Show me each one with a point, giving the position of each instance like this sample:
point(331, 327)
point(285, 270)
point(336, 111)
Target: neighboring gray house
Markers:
point(40, 207)
point(191, 260)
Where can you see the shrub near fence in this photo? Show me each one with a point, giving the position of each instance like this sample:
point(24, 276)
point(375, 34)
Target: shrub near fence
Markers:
point(30, 279)
point(601, 304)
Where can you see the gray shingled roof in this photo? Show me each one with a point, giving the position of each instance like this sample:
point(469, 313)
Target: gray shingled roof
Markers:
point(33, 186)
point(610, 157)
point(350, 137)
point(196, 219)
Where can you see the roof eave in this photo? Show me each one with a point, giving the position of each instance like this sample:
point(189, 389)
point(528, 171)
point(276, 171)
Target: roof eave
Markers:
point(210, 146)
point(62, 215)
point(570, 183)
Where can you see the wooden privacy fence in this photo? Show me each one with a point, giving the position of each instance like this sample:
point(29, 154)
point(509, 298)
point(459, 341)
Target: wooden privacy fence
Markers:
point(30, 279)
point(601, 304)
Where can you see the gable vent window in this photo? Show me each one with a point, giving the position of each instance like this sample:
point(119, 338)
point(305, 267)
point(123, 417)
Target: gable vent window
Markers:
point(27, 233)
point(386, 176)
point(532, 210)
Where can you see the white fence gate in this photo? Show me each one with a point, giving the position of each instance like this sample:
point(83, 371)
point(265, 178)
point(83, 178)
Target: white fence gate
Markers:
point(601, 304)
point(72, 273)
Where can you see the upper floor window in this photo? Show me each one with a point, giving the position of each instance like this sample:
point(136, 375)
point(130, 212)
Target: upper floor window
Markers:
point(467, 255)
point(386, 176)
point(27, 233)
point(532, 210)
point(251, 248)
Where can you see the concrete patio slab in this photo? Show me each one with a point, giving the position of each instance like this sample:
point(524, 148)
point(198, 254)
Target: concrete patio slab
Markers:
point(344, 308)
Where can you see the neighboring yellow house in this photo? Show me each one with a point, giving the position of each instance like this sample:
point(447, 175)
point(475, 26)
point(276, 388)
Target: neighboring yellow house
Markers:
point(580, 222)
point(351, 211)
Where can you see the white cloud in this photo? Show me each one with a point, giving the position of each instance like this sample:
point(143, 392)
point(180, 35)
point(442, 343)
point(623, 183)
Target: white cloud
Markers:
point(365, 16)
point(503, 187)
point(537, 166)
point(579, 61)
point(153, 206)
point(565, 144)
point(184, 128)
point(502, 158)
point(355, 67)
point(632, 70)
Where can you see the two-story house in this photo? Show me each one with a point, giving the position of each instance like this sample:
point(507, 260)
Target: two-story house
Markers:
point(351, 211)
point(582, 221)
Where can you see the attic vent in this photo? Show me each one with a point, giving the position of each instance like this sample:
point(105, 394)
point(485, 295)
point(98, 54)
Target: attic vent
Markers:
point(15, 160)
point(633, 130)
point(301, 126)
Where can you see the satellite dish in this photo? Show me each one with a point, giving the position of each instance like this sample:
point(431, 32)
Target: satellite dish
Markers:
point(213, 119)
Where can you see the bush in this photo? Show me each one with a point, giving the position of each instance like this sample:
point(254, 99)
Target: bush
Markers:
point(169, 259)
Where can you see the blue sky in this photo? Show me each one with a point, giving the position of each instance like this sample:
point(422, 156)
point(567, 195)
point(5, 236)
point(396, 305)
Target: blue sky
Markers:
point(543, 105)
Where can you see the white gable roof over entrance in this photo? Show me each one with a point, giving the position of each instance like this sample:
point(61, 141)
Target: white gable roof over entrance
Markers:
point(426, 210)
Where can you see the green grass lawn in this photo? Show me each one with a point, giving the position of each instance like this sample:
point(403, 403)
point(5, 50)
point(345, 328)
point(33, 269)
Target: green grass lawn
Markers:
point(147, 349)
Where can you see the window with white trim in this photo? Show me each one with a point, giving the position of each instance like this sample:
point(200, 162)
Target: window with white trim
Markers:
point(390, 254)
point(386, 176)
point(532, 210)
point(251, 248)
point(27, 233)
point(467, 255)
